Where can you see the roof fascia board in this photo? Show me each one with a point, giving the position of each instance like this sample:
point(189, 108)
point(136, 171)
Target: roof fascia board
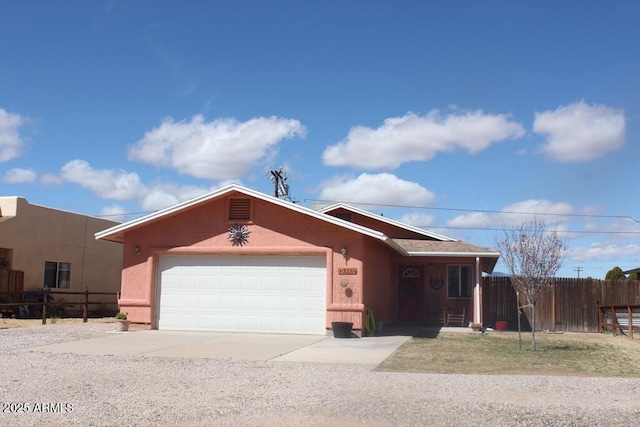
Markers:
point(456, 254)
point(388, 221)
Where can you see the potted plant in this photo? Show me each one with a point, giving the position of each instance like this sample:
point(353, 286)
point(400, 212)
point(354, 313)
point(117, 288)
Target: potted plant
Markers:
point(502, 325)
point(122, 324)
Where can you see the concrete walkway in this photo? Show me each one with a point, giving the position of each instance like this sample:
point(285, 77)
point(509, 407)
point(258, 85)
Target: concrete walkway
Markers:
point(366, 350)
point(242, 346)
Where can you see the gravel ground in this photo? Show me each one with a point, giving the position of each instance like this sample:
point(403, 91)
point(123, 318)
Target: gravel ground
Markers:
point(70, 390)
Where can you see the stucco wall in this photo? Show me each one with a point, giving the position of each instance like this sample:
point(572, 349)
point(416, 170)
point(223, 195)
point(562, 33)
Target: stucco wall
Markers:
point(379, 283)
point(37, 234)
point(436, 267)
point(203, 229)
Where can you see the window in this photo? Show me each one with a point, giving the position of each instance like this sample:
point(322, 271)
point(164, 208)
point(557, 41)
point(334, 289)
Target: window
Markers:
point(459, 281)
point(57, 274)
point(5, 258)
point(239, 209)
point(410, 281)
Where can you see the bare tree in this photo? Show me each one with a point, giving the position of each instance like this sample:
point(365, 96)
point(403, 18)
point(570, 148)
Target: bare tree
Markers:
point(533, 256)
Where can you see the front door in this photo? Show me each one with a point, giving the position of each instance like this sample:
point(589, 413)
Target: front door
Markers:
point(410, 294)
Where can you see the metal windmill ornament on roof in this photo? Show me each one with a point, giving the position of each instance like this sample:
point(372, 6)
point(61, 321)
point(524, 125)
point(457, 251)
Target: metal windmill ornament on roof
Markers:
point(238, 235)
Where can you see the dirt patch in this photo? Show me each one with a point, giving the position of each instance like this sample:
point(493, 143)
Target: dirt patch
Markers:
point(6, 323)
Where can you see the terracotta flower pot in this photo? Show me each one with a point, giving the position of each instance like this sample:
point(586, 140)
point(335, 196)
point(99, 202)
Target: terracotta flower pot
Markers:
point(122, 325)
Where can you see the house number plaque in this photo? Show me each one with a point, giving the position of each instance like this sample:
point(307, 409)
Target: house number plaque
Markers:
point(348, 271)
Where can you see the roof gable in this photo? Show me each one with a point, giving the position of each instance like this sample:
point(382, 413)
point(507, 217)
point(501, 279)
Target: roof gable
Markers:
point(116, 233)
point(429, 234)
point(432, 245)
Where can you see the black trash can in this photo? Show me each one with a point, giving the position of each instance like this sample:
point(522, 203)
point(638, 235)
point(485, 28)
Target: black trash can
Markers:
point(341, 329)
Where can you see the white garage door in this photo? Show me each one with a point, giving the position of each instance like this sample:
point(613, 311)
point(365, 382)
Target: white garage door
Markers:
point(283, 294)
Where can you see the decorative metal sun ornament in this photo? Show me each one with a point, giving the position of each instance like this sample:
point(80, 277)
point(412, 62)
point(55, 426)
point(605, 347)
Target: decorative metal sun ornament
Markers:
point(238, 235)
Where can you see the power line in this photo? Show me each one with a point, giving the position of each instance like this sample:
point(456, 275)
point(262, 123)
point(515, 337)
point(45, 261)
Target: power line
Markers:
point(281, 192)
point(476, 210)
point(508, 229)
point(123, 214)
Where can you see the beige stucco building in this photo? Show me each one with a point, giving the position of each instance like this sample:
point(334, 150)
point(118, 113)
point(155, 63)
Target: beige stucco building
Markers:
point(57, 249)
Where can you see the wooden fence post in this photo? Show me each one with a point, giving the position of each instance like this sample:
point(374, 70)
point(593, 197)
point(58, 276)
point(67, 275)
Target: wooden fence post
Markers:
point(85, 306)
point(45, 295)
point(554, 306)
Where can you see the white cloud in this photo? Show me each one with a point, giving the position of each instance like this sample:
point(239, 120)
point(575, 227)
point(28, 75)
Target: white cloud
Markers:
point(416, 138)
point(219, 149)
point(115, 213)
point(19, 176)
point(519, 213)
point(551, 213)
point(10, 141)
point(471, 220)
point(51, 179)
point(580, 132)
point(115, 184)
point(164, 195)
point(621, 228)
point(378, 189)
point(605, 252)
point(418, 219)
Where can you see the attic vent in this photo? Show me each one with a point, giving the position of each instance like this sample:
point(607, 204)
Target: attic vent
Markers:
point(239, 209)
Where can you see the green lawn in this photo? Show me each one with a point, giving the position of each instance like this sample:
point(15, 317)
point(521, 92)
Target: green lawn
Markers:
point(499, 353)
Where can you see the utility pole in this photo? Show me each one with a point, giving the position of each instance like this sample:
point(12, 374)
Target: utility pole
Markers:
point(578, 269)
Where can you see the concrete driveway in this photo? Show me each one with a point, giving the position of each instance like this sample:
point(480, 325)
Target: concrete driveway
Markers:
point(214, 345)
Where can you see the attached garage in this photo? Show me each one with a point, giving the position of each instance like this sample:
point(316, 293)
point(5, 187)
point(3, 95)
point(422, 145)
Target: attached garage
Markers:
point(245, 293)
point(239, 260)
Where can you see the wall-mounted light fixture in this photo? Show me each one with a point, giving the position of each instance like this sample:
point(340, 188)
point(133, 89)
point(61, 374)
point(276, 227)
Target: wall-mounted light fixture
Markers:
point(137, 249)
point(343, 251)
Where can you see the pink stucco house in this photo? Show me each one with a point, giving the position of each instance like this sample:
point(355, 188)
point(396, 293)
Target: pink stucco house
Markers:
point(239, 260)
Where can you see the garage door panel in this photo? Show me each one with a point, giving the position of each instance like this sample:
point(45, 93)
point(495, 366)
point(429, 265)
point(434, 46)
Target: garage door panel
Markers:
point(228, 322)
point(229, 302)
point(250, 303)
point(247, 293)
point(310, 303)
point(270, 303)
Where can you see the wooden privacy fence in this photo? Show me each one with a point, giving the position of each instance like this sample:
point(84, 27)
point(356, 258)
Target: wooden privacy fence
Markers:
point(573, 305)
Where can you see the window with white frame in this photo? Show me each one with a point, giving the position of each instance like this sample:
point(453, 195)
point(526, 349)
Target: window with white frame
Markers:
point(459, 281)
point(57, 274)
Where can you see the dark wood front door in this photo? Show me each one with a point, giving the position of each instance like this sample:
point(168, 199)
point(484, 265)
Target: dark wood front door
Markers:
point(410, 294)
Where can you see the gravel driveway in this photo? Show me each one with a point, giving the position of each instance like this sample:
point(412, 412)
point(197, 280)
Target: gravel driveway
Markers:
point(70, 389)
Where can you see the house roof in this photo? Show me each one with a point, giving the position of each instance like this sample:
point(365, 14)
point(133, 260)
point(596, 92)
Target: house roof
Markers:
point(633, 270)
point(386, 220)
point(414, 247)
point(442, 247)
point(116, 233)
point(429, 247)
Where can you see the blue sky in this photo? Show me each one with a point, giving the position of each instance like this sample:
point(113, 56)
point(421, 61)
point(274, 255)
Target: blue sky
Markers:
point(463, 117)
